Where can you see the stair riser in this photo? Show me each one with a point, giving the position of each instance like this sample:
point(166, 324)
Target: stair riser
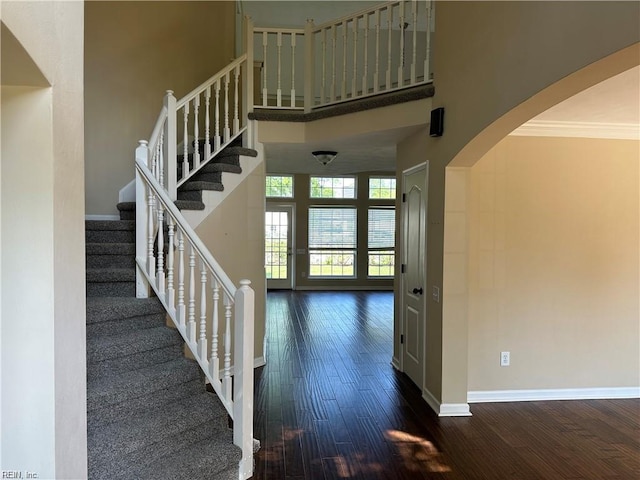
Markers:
point(127, 215)
point(125, 325)
point(110, 236)
point(111, 289)
point(121, 346)
point(110, 261)
point(213, 177)
point(134, 361)
point(195, 195)
point(186, 372)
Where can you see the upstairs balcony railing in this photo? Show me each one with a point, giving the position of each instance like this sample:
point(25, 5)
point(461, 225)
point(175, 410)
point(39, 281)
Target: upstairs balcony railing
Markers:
point(376, 50)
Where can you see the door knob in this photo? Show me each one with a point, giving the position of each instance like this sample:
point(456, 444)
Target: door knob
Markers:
point(417, 291)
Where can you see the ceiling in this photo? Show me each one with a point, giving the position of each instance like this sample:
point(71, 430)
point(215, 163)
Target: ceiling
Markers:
point(610, 109)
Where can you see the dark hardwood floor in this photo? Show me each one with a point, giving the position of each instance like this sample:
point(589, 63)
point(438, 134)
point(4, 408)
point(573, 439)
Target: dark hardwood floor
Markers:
point(328, 405)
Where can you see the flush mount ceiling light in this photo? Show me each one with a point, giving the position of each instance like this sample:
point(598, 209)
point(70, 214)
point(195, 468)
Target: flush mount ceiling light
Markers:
point(325, 157)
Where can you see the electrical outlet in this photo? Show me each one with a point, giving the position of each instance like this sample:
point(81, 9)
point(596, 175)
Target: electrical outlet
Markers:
point(435, 293)
point(505, 359)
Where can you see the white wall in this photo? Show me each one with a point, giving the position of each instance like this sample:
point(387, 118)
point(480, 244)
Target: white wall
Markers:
point(42, 228)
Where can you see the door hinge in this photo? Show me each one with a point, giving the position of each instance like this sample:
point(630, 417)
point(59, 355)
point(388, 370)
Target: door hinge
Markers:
point(404, 198)
point(401, 338)
point(403, 268)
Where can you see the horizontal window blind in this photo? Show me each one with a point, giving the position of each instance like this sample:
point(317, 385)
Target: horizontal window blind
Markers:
point(382, 228)
point(332, 228)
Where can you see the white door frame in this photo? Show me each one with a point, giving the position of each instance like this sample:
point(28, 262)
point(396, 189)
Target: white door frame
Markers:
point(403, 253)
point(291, 261)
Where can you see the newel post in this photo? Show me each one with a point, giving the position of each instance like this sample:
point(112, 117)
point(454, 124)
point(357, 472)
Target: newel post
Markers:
point(309, 65)
point(247, 84)
point(142, 285)
point(170, 146)
point(243, 373)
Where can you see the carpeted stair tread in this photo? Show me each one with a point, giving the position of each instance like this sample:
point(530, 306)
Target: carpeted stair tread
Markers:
point(104, 275)
point(113, 389)
point(155, 434)
point(231, 151)
point(136, 406)
point(189, 205)
point(110, 225)
point(195, 185)
point(103, 309)
point(126, 206)
point(105, 348)
point(208, 458)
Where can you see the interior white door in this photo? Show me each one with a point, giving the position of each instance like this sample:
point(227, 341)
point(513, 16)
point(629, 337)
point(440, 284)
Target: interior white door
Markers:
point(413, 279)
point(278, 243)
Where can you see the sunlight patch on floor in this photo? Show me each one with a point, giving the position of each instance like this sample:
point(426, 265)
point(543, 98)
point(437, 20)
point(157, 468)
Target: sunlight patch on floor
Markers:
point(417, 452)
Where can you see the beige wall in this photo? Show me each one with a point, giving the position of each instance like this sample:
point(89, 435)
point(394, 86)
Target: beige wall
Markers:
point(43, 412)
point(553, 264)
point(234, 233)
point(135, 51)
point(493, 64)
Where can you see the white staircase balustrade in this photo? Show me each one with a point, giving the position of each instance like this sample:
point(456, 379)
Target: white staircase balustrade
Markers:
point(204, 284)
point(376, 50)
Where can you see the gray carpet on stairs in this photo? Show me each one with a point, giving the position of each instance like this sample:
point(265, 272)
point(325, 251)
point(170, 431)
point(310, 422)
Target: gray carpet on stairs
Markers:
point(149, 415)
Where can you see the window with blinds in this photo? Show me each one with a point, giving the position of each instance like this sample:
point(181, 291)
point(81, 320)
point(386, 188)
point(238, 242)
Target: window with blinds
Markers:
point(381, 242)
point(332, 241)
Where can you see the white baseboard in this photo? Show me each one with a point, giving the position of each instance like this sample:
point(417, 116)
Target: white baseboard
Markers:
point(102, 217)
point(454, 410)
point(259, 362)
point(428, 397)
point(395, 363)
point(552, 394)
point(446, 409)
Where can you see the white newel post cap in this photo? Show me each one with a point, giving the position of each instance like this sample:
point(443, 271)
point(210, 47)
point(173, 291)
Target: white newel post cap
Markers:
point(245, 283)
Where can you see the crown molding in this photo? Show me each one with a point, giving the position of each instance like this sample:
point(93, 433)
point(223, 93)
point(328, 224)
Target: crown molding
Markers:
point(541, 128)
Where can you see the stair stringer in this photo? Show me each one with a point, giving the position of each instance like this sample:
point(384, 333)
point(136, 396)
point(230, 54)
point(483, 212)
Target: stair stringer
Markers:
point(212, 199)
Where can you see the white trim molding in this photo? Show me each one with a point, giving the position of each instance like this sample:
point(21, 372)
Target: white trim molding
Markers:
point(552, 394)
point(545, 128)
point(446, 409)
point(395, 363)
point(454, 410)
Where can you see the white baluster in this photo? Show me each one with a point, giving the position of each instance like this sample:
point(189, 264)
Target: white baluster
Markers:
point(207, 124)
point(154, 163)
point(365, 73)
point(403, 27)
point(191, 321)
point(333, 64)
point(279, 71)
point(354, 77)
point(345, 40)
point(427, 57)
point(324, 66)
point(414, 51)
point(151, 264)
point(196, 133)
point(160, 158)
point(226, 376)
point(217, 140)
point(376, 72)
point(293, 70)
point(214, 361)
point(185, 141)
point(160, 276)
point(202, 339)
point(390, 31)
point(265, 42)
point(181, 307)
point(227, 131)
point(236, 101)
point(170, 262)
